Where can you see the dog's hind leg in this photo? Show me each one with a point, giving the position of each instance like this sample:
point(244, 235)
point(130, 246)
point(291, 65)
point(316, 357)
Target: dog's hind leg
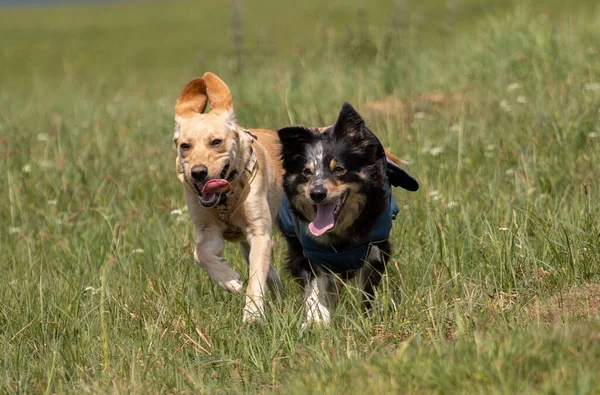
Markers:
point(273, 280)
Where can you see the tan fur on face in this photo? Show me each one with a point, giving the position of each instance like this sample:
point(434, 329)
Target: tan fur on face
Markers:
point(199, 131)
point(335, 190)
point(352, 209)
point(332, 165)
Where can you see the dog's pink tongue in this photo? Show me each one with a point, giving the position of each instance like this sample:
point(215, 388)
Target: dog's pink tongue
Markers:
point(324, 220)
point(215, 186)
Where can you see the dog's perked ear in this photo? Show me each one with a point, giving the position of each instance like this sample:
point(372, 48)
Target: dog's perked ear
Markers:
point(351, 126)
point(219, 95)
point(348, 123)
point(192, 99)
point(400, 178)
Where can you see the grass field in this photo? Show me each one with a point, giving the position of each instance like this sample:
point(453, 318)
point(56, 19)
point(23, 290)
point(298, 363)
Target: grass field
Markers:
point(494, 285)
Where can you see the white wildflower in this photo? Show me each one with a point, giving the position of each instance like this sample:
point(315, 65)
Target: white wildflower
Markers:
point(177, 211)
point(592, 86)
point(509, 172)
point(435, 195)
point(513, 87)
point(14, 229)
point(503, 229)
point(43, 137)
point(420, 115)
point(505, 106)
point(521, 99)
point(490, 147)
point(593, 135)
point(92, 290)
point(452, 204)
point(52, 202)
point(138, 251)
point(26, 168)
point(435, 151)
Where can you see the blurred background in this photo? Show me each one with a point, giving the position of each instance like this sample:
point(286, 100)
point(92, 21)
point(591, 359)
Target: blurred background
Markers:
point(52, 39)
point(157, 46)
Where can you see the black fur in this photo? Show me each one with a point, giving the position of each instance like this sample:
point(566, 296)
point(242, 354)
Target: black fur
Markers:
point(350, 143)
point(400, 178)
point(375, 278)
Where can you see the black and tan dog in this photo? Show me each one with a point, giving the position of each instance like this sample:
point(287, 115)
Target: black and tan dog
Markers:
point(232, 184)
point(337, 210)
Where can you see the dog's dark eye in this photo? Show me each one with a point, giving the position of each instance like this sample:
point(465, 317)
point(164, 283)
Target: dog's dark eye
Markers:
point(216, 142)
point(307, 172)
point(339, 170)
point(184, 146)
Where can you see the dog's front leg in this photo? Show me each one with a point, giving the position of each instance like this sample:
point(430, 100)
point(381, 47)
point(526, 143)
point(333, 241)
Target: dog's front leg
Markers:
point(209, 245)
point(320, 296)
point(259, 259)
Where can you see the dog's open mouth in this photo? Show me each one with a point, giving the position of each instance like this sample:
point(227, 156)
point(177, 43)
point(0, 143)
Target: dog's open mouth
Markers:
point(327, 215)
point(211, 192)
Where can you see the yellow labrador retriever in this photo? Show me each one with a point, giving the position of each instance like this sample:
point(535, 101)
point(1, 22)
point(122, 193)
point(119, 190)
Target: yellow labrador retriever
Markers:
point(232, 185)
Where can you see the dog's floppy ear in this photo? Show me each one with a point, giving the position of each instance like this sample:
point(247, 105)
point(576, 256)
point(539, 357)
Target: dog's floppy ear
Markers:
point(192, 99)
point(219, 96)
point(399, 177)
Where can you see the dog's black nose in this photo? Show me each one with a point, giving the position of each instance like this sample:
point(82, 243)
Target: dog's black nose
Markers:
point(199, 172)
point(318, 193)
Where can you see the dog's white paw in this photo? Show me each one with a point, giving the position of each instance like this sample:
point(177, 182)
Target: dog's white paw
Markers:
point(233, 286)
point(251, 317)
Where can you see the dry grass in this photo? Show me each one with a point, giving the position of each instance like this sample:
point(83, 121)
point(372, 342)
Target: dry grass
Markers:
point(575, 304)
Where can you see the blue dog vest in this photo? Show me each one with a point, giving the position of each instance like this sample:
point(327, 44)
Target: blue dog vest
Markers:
point(352, 256)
